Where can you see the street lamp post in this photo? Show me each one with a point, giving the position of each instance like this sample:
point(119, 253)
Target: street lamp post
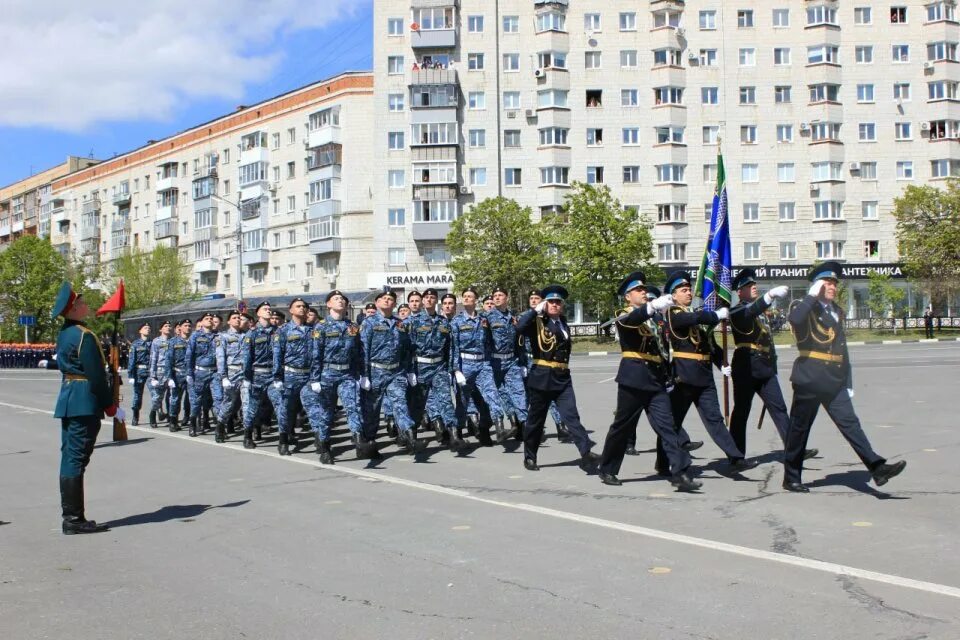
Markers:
point(239, 240)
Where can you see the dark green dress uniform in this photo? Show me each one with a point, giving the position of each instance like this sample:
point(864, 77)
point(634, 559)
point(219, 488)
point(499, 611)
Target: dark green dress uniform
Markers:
point(84, 397)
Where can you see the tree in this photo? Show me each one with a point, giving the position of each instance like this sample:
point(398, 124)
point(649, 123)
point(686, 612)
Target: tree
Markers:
point(496, 243)
point(884, 297)
point(599, 243)
point(928, 231)
point(31, 271)
point(154, 278)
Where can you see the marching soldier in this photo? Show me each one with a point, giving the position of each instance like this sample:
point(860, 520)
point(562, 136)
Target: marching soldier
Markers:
point(85, 397)
point(158, 384)
point(291, 370)
point(448, 306)
point(415, 302)
point(822, 376)
point(509, 360)
point(694, 351)
point(533, 299)
point(642, 386)
point(175, 371)
point(652, 294)
point(201, 365)
point(257, 360)
point(755, 359)
point(138, 369)
point(549, 379)
point(230, 371)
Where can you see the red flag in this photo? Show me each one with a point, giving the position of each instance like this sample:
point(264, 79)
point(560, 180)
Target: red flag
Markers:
point(115, 304)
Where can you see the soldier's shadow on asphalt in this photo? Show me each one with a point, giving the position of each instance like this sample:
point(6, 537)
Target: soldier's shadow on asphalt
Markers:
point(122, 443)
point(856, 479)
point(182, 512)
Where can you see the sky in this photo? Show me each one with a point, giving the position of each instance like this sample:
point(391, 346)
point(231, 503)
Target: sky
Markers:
point(99, 78)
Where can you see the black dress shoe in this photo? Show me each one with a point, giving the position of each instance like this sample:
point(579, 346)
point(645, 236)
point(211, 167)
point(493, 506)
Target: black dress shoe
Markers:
point(663, 473)
point(73, 526)
point(530, 465)
point(589, 461)
point(739, 465)
point(811, 453)
point(795, 487)
point(631, 451)
point(691, 445)
point(248, 442)
point(683, 482)
point(283, 445)
point(326, 455)
point(883, 472)
point(610, 479)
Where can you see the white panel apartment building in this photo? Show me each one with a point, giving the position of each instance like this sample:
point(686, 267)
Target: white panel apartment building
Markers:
point(825, 109)
point(296, 170)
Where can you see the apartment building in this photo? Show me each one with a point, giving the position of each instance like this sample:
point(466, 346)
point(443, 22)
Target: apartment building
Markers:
point(26, 205)
point(824, 112)
point(262, 201)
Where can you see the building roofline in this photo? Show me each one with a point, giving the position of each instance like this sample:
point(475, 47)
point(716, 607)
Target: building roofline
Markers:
point(65, 165)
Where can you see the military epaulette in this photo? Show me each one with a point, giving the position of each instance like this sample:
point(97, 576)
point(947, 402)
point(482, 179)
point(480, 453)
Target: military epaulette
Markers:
point(316, 334)
point(246, 340)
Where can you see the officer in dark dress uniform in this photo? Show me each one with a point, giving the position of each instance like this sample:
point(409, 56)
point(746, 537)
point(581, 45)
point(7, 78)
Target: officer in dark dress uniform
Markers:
point(822, 376)
point(755, 359)
point(641, 385)
point(549, 378)
point(85, 397)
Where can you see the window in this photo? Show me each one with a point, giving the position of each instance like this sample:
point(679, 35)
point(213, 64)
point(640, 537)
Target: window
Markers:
point(629, 98)
point(594, 137)
point(672, 252)
point(594, 175)
point(868, 171)
point(825, 132)
point(783, 94)
point(944, 168)
point(751, 212)
point(751, 250)
point(781, 56)
point(275, 141)
point(940, 51)
point(395, 178)
point(749, 172)
point(394, 65)
point(901, 91)
point(863, 15)
point(435, 172)
point(668, 95)
point(942, 90)
point(669, 135)
point(901, 53)
point(865, 93)
point(394, 26)
point(395, 101)
point(478, 177)
point(939, 11)
point(748, 57)
point(667, 57)
point(291, 204)
point(709, 95)
point(512, 177)
point(671, 173)
point(823, 54)
point(748, 95)
point(869, 210)
point(628, 59)
point(748, 134)
point(864, 54)
point(554, 175)
point(628, 21)
point(552, 98)
point(744, 18)
point(787, 211)
point(511, 24)
point(224, 157)
point(475, 61)
point(708, 57)
point(511, 138)
point(592, 60)
point(871, 248)
point(553, 136)
point(829, 249)
point(788, 250)
point(395, 140)
point(827, 210)
point(478, 138)
point(511, 62)
point(552, 60)
point(396, 217)
point(821, 15)
point(671, 212)
point(253, 240)
point(396, 256)
point(786, 172)
point(434, 19)
point(711, 134)
point(902, 131)
point(868, 132)
point(476, 100)
point(709, 174)
point(320, 191)
point(435, 211)
point(591, 22)
point(511, 99)
point(435, 133)
point(898, 15)
point(436, 255)
point(276, 174)
point(475, 24)
point(292, 237)
point(826, 171)
point(631, 174)
point(708, 20)
point(551, 21)
point(253, 172)
point(781, 17)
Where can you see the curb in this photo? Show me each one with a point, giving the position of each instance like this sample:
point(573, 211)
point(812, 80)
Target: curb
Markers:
point(590, 354)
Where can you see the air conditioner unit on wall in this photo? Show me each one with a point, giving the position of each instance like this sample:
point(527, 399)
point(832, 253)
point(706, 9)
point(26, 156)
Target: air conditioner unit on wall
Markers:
point(925, 126)
point(539, 73)
point(854, 166)
point(531, 113)
point(465, 191)
point(804, 126)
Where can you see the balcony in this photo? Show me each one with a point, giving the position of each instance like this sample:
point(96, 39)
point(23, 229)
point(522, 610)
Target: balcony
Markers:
point(325, 245)
point(117, 252)
point(91, 206)
point(120, 223)
point(325, 156)
point(89, 232)
point(121, 198)
point(167, 212)
point(433, 77)
point(90, 248)
point(207, 233)
point(254, 154)
point(206, 265)
point(4, 228)
point(324, 235)
point(165, 229)
point(63, 249)
point(30, 222)
point(59, 212)
point(323, 209)
point(322, 136)
point(255, 256)
point(17, 226)
point(166, 183)
point(430, 230)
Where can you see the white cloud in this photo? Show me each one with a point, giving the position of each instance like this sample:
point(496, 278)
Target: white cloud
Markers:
point(68, 65)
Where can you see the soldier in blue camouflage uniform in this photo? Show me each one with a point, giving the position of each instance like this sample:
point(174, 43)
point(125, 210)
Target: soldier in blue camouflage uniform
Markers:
point(386, 371)
point(257, 359)
point(138, 369)
point(430, 337)
point(509, 360)
point(158, 385)
point(335, 361)
point(471, 365)
point(291, 370)
point(563, 435)
point(230, 372)
point(201, 365)
point(175, 371)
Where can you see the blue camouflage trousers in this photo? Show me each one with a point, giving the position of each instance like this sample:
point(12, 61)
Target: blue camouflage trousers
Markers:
point(139, 380)
point(180, 391)
point(260, 389)
point(479, 375)
point(385, 384)
point(433, 395)
point(158, 394)
point(200, 391)
point(290, 404)
point(321, 407)
point(233, 399)
point(509, 380)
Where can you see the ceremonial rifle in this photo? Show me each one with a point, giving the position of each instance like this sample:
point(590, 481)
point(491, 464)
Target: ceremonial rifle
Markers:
point(115, 306)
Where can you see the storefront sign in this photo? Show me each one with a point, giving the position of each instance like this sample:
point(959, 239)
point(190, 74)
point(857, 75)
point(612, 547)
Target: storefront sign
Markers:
point(410, 279)
point(776, 272)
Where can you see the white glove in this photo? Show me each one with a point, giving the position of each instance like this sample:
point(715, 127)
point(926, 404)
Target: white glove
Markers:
point(278, 385)
point(540, 306)
point(461, 379)
point(154, 382)
point(412, 379)
point(850, 393)
point(171, 383)
point(42, 364)
point(523, 372)
point(663, 302)
point(722, 313)
point(131, 381)
point(815, 288)
point(120, 415)
point(779, 292)
point(365, 383)
point(246, 385)
point(190, 380)
point(315, 387)
point(226, 383)
point(726, 370)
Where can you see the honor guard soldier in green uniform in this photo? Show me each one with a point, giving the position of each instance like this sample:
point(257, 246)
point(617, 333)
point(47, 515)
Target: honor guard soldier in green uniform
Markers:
point(822, 376)
point(85, 397)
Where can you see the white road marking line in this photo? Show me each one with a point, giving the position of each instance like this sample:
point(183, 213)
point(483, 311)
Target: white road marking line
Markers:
point(606, 380)
point(667, 536)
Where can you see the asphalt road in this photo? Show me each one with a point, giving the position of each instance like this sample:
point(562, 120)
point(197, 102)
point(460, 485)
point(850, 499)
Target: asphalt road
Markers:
point(212, 541)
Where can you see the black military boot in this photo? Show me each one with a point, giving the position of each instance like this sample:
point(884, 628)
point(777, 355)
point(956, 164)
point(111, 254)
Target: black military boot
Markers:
point(283, 447)
point(294, 440)
point(248, 442)
point(71, 502)
point(136, 418)
point(456, 442)
point(206, 422)
point(473, 425)
point(483, 436)
point(153, 418)
point(515, 427)
point(411, 443)
point(326, 455)
point(257, 430)
point(232, 425)
point(501, 431)
point(391, 428)
point(437, 425)
point(174, 424)
point(683, 482)
point(589, 461)
point(563, 434)
point(221, 435)
point(193, 427)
